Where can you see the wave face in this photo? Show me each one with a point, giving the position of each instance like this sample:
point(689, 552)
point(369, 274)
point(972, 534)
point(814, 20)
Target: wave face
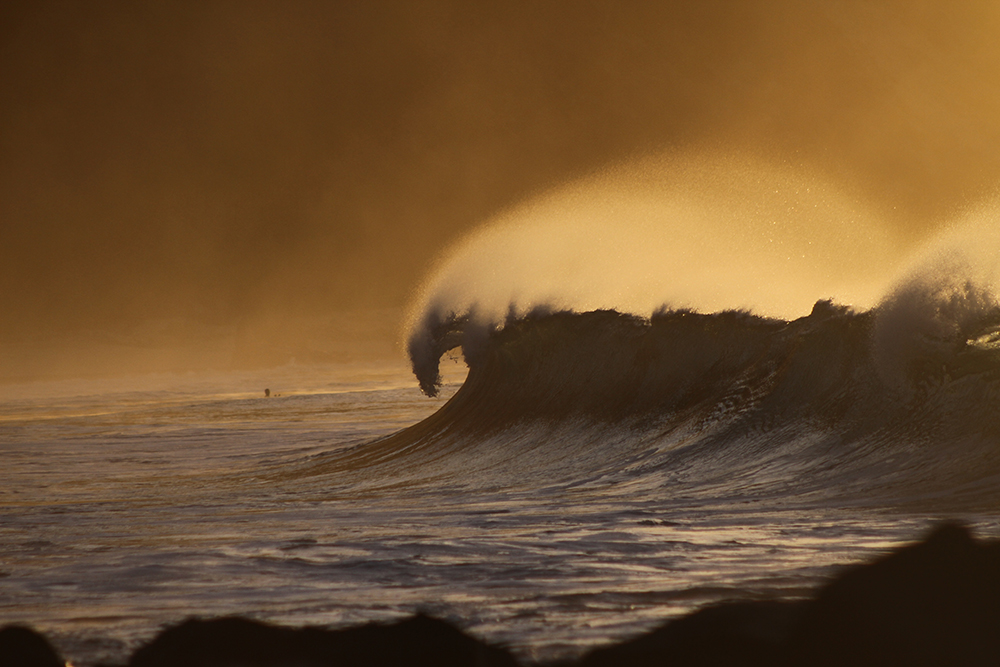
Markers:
point(897, 404)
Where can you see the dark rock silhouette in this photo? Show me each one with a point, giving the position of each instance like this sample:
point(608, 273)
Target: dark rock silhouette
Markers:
point(933, 603)
point(735, 634)
point(936, 602)
point(23, 647)
point(417, 641)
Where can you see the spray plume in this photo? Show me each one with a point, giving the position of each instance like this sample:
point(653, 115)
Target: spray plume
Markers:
point(707, 233)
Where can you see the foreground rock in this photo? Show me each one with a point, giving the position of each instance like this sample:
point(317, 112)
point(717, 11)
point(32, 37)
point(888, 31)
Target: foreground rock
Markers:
point(740, 634)
point(23, 647)
point(933, 603)
point(239, 642)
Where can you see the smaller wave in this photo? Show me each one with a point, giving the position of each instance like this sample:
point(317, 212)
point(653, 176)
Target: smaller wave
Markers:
point(942, 318)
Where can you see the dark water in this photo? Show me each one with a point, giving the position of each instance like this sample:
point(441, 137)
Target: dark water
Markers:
point(595, 474)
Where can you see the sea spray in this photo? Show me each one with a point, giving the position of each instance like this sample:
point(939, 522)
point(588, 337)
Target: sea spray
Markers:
point(893, 402)
point(944, 308)
point(707, 233)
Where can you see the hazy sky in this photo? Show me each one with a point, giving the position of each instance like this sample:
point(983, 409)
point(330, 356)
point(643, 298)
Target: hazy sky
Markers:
point(211, 161)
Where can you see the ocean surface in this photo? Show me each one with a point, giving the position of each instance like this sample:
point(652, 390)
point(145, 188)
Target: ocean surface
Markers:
point(595, 474)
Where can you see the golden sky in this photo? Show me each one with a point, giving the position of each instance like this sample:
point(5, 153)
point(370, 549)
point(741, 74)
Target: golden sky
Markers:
point(212, 161)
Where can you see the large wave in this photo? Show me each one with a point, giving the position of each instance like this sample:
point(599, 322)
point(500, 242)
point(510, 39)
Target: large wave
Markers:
point(889, 400)
point(856, 405)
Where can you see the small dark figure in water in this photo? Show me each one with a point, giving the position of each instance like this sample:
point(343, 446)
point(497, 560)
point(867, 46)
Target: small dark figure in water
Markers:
point(267, 393)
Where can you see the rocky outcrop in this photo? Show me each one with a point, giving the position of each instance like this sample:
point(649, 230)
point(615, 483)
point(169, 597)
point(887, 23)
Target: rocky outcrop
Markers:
point(936, 602)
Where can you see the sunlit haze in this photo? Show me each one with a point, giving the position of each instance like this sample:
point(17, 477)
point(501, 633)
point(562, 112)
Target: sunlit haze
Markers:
point(709, 234)
point(221, 185)
point(533, 332)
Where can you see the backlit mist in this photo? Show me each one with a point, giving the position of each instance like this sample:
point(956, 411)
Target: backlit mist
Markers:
point(709, 233)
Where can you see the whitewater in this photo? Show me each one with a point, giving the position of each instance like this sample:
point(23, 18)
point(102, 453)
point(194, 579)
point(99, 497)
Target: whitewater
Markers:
point(575, 453)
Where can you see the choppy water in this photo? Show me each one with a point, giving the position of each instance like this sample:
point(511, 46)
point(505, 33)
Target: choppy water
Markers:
point(131, 504)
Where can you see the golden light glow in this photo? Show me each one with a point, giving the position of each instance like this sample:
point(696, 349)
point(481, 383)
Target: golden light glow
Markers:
point(704, 232)
point(202, 187)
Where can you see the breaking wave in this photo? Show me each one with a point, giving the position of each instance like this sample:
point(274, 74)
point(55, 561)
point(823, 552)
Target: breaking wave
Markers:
point(892, 400)
point(896, 404)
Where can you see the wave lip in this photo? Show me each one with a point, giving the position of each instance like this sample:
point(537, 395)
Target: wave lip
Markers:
point(612, 365)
